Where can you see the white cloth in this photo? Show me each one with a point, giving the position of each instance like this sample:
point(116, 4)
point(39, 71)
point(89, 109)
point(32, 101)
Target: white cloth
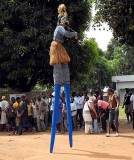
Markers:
point(132, 100)
point(79, 101)
point(40, 107)
point(46, 100)
point(92, 98)
point(87, 118)
point(73, 109)
point(51, 107)
point(4, 105)
point(34, 111)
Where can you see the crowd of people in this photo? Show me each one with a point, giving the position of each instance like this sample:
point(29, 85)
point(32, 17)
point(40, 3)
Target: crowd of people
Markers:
point(25, 114)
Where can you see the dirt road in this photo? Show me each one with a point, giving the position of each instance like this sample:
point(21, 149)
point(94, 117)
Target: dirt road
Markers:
point(35, 146)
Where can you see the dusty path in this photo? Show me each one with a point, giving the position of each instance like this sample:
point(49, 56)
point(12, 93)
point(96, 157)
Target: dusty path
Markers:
point(86, 147)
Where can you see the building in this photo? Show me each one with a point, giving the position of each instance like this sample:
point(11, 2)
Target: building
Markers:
point(123, 82)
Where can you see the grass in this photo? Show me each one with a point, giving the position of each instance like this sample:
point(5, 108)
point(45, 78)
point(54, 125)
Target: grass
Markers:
point(121, 113)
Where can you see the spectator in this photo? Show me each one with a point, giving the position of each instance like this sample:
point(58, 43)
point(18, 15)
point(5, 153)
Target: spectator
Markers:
point(113, 111)
point(93, 112)
point(22, 114)
point(79, 101)
point(60, 115)
point(4, 105)
point(132, 100)
point(127, 104)
point(87, 117)
point(46, 112)
point(103, 106)
point(34, 114)
point(30, 113)
point(16, 105)
point(11, 116)
point(74, 114)
point(13, 99)
point(40, 107)
point(51, 99)
point(64, 112)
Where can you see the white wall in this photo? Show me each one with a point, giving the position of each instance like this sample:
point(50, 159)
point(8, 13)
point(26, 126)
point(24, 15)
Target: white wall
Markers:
point(123, 85)
point(123, 82)
point(126, 78)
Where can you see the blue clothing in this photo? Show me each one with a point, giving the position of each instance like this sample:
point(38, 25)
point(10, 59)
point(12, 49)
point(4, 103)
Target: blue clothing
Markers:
point(59, 116)
point(60, 33)
point(23, 108)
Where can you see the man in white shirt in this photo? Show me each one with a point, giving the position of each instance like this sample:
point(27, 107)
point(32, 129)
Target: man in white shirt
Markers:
point(74, 114)
point(79, 101)
point(4, 105)
point(132, 100)
point(46, 112)
point(40, 107)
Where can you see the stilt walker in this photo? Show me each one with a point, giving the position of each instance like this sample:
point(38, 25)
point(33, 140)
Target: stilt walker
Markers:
point(59, 59)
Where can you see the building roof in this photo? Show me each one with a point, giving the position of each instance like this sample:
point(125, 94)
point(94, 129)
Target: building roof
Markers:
point(126, 78)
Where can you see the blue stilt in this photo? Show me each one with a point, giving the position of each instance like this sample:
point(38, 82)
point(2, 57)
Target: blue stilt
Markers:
point(69, 118)
point(54, 116)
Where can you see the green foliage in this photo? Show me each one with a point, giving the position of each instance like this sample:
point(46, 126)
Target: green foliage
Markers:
point(122, 58)
point(99, 72)
point(83, 58)
point(119, 15)
point(26, 31)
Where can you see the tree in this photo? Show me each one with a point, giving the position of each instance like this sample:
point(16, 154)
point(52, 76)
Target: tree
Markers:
point(122, 58)
point(26, 30)
point(119, 15)
point(84, 57)
point(99, 71)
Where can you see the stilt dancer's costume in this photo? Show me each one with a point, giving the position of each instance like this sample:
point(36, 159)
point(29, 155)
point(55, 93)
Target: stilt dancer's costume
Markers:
point(59, 59)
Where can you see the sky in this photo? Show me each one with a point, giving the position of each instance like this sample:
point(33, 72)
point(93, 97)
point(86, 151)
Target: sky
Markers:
point(102, 37)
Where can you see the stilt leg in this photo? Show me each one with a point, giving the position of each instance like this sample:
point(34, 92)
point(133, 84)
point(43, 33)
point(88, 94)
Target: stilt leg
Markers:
point(69, 118)
point(54, 116)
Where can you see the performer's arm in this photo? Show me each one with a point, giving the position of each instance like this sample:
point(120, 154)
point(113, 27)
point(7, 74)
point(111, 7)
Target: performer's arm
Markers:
point(67, 33)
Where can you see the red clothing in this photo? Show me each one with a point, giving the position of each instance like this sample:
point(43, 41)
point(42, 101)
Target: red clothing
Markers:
point(103, 104)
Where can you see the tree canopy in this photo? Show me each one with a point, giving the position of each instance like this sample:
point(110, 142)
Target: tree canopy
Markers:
point(26, 30)
point(121, 58)
point(119, 15)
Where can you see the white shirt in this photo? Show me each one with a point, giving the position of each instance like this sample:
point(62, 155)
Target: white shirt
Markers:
point(132, 100)
point(46, 100)
point(4, 105)
point(51, 107)
point(79, 101)
point(86, 107)
point(73, 109)
point(34, 111)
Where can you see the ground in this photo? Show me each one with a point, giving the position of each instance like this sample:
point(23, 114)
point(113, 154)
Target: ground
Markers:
point(35, 146)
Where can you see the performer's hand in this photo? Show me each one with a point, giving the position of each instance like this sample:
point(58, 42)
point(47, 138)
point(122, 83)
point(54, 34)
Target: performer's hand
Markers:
point(76, 37)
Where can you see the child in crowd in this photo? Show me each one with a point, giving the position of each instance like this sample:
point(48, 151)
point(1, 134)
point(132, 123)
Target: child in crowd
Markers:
point(64, 111)
point(59, 117)
point(11, 116)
